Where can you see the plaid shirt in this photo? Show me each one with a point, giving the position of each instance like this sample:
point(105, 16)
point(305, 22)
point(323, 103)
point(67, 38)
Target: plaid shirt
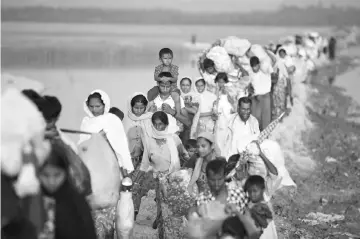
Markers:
point(236, 195)
point(174, 70)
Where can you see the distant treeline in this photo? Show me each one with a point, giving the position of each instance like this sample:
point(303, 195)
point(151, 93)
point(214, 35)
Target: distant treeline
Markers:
point(286, 16)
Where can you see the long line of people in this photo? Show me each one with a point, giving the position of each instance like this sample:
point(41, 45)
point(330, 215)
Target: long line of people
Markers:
point(209, 126)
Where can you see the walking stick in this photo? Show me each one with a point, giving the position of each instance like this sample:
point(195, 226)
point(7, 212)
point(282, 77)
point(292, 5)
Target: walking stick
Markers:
point(70, 131)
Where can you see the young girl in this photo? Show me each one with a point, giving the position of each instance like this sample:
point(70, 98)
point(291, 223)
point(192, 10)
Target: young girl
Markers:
point(73, 217)
point(260, 209)
point(207, 118)
point(223, 107)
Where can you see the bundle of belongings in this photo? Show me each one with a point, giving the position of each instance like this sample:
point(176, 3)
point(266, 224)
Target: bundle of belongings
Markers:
point(24, 150)
point(226, 55)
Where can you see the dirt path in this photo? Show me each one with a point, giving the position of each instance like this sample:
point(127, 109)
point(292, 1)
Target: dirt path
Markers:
point(147, 213)
point(327, 201)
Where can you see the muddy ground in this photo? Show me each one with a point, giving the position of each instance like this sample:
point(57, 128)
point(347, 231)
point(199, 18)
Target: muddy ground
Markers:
point(326, 203)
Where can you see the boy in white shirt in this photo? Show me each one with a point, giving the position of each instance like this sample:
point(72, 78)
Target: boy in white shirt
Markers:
point(260, 92)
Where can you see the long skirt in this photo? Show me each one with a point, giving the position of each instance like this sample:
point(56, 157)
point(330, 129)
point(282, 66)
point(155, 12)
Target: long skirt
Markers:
point(142, 183)
point(261, 109)
point(278, 96)
point(105, 222)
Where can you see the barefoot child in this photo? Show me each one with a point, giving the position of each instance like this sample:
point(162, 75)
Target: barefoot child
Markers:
point(166, 56)
point(260, 209)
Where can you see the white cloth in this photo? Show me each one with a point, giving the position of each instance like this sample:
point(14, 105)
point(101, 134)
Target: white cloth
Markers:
point(113, 128)
point(151, 150)
point(236, 46)
point(207, 100)
point(239, 135)
point(263, 55)
point(280, 65)
point(21, 123)
point(224, 109)
point(125, 216)
point(273, 152)
point(173, 127)
point(221, 59)
point(261, 82)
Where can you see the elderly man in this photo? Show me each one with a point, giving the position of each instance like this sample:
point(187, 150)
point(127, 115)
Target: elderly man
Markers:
point(164, 102)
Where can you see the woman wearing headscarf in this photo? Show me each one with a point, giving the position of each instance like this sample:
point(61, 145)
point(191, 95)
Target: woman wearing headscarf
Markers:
point(136, 122)
point(161, 153)
point(104, 157)
point(207, 151)
point(97, 106)
point(192, 101)
point(72, 217)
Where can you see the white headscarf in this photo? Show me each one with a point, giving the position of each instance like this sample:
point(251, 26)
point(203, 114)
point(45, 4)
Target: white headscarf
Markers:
point(113, 128)
point(171, 144)
point(104, 97)
point(130, 120)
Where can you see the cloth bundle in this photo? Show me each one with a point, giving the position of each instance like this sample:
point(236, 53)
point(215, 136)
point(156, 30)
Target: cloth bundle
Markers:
point(236, 46)
point(221, 59)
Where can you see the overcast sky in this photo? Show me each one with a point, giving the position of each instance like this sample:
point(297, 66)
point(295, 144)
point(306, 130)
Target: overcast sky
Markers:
point(183, 5)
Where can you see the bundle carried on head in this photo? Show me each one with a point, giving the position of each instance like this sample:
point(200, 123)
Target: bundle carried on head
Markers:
point(221, 49)
point(236, 46)
point(221, 59)
point(22, 141)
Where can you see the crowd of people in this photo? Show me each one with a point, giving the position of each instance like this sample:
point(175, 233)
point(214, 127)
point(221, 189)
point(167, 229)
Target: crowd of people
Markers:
point(215, 127)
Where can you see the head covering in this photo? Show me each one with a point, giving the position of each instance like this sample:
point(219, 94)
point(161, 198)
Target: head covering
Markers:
point(113, 128)
point(208, 136)
point(171, 144)
point(130, 119)
point(216, 152)
point(105, 98)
